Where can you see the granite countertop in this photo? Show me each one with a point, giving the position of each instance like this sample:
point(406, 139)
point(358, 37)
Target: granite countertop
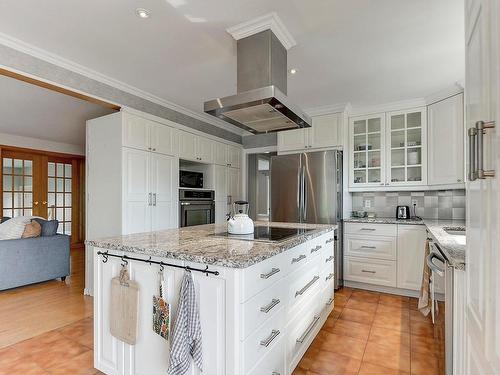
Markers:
point(449, 244)
point(198, 244)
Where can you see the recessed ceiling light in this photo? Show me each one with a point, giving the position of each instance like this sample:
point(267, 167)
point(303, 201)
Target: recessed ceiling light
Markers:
point(142, 13)
point(293, 71)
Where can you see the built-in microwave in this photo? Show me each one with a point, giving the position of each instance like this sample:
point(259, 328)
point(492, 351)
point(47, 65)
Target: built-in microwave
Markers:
point(191, 180)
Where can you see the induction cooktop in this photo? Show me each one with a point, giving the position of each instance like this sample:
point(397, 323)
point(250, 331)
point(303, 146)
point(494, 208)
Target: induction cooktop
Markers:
point(266, 234)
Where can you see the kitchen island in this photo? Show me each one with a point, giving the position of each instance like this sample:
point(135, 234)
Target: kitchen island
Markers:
point(258, 315)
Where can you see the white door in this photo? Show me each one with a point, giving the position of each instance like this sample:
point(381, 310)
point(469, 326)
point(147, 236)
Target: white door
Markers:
point(234, 156)
point(164, 139)
point(164, 201)
point(220, 153)
point(482, 260)
point(446, 141)
point(135, 132)
point(204, 149)
point(326, 131)
point(291, 140)
point(411, 246)
point(233, 184)
point(187, 145)
point(137, 198)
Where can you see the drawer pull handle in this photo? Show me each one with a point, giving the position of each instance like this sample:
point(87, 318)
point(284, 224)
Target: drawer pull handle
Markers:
point(270, 339)
point(307, 286)
point(316, 249)
point(330, 301)
point(368, 229)
point(329, 259)
point(368, 247)
point(275, 373)
point(269, 307)
point(366, 271)
point(329, 277)
point(330, 240)
point(274, 271)
point(298, 259)
point(301, 339)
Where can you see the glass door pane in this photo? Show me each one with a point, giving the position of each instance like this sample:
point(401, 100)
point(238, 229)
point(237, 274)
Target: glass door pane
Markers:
point(17, 194)
point(367, 151)
point(59, 182)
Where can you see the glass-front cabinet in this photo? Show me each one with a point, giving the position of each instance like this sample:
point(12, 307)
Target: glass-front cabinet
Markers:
point(388, 149)
point(406, 148)
point(367, 150)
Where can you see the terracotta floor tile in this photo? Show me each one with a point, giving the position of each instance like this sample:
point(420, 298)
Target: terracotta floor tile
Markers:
point(82, 332)
point(351, 329)
point(424, 345)
point(389, 337)
point(423, 364)
point(425, 329)
point(391, 309)
point(387, 356)
point(82, 364)
point(345, 291)
point(392, 321)
point(370, 369)
point(365, 296)
point(344, 345)
point(329, 323)
point(340, 300)
point(357, 304)
point(392, 300)
point(357, 316)
point(328, 363)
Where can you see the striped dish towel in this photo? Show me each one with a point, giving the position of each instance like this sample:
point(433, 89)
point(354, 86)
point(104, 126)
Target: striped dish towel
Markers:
point(186, 337)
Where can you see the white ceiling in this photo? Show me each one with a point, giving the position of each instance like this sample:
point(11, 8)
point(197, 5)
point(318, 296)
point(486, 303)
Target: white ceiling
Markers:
point(359, 51)
point(32, 111)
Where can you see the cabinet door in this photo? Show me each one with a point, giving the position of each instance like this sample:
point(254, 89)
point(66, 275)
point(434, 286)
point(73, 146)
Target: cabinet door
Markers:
point(164, 201)
point(411, 246)
point(291, 140)
point(164, 139)
point(220, 153)
point(446, 141)
point(136, 132)
point(407, 148)
point(234, 156)
point(233, 184)
point(204, 149)
point(187, 145)
point(326, 131)
point(221, 183)
point(367, 148)
point(136, 191)
point(221, 210)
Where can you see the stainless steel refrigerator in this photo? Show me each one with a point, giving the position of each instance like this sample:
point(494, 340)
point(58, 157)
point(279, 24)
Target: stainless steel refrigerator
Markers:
point(307, 188)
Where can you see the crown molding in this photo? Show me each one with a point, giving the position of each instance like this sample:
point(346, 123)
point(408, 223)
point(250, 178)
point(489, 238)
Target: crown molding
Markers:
point(270, 21)
point(327, 109)
point(62, 62)
point(455, 89)
point(387, 107)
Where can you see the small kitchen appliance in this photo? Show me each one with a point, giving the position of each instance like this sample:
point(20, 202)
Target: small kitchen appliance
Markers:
point(403, 212)
point(190, 179)
point(239, 222)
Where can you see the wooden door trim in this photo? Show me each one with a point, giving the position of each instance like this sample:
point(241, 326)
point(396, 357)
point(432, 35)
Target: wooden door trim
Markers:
point(61, 90)
point(30, 151)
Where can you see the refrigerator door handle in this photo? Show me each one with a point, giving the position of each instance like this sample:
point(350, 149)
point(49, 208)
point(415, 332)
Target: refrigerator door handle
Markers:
point(299, 192)
point(304, 194)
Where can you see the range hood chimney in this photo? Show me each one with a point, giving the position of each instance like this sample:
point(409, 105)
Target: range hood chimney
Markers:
point(261, 105)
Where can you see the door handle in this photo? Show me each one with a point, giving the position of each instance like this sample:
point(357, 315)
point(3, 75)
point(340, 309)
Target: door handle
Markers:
point(149, 199)
point(481, 128)
point(44, 203)
point(154, 199)
point(472, 132)
point(35, 203)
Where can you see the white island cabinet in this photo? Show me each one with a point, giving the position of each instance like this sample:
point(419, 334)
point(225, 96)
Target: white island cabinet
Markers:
point(258, 315)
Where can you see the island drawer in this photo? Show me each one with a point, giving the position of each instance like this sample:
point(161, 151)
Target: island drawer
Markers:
point(328, 296)
point(378, 247)
point(370, 271)
point(262, 307)
point(371, 229)
point(262, 341)
point(273, 362)
point(261, 276)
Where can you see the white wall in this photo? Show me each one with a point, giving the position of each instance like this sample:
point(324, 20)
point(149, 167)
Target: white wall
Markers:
point(40, 144)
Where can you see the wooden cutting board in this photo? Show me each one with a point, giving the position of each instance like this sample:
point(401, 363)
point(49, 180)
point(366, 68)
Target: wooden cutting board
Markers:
point(124, 308)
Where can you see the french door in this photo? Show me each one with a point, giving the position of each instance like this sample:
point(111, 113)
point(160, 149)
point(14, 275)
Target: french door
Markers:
point(44, 185)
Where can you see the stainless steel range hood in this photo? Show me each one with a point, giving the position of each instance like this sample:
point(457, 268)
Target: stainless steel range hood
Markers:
point(261, 105)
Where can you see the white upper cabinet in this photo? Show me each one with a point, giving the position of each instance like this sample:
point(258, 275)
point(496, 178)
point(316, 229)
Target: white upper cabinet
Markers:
point(233, 156)
point(367, 149)
point(407, 147)
point(147, 135)
point(220, 153)
point(204, 148)
point(446, 141)
point(326, 131)
point(195, 147)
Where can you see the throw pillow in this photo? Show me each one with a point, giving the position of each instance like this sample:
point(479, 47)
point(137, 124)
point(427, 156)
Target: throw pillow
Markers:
point(33, 229)
point(13, 229)
point(49, 227)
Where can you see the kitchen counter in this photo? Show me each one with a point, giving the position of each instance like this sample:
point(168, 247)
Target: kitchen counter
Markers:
point(449, 244)
point(198, 244)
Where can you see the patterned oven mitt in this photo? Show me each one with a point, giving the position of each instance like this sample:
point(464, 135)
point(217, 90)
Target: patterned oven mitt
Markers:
point(161, 312)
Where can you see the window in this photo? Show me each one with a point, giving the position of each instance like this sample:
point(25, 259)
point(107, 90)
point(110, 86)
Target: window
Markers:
point(60, 195)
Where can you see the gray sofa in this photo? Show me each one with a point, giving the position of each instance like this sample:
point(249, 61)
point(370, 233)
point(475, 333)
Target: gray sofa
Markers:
point(33, 260)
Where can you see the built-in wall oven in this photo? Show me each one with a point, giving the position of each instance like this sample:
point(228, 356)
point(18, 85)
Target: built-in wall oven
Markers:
point(196, 207)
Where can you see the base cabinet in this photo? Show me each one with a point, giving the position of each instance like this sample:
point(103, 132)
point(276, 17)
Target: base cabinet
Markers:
point(246, 325)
